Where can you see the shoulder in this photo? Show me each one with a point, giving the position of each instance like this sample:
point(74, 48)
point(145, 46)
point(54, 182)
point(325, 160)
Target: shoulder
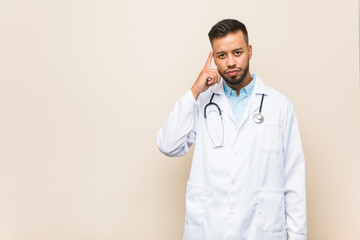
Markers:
point(281, 106)
point(278, 102)
point(278, 97)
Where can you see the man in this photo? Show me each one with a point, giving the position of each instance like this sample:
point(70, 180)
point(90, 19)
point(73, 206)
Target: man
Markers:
point(247, 178)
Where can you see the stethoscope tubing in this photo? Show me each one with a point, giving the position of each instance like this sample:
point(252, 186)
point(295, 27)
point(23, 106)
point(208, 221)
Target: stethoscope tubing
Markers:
point(212, 103)
point(258, 118)
point(219, 110)
point(222, 122)
point(261, 103)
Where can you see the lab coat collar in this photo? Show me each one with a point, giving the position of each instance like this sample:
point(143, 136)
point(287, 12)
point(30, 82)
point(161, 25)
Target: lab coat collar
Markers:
point(221, 99)
point(218, 88)
point(254, 102)
point(255, 99)
point(260, 87)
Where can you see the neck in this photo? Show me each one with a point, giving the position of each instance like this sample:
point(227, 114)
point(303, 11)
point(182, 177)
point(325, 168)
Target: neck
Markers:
point(247, 79)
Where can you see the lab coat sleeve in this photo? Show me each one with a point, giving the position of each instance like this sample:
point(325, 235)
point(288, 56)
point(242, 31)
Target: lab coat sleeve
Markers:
point(294, 167)
point(179, 131)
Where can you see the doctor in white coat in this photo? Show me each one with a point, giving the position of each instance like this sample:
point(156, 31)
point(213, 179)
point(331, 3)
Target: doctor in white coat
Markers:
point(247, 179)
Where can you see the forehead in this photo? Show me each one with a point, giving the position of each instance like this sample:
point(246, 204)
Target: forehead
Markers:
point(229, 42)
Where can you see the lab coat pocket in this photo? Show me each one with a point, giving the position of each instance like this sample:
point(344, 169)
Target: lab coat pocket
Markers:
point(195, 204)
point(269, 138)
point(270, 210)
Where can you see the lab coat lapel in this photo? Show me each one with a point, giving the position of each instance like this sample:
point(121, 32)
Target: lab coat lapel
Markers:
point(254, 101)
point(221, 99)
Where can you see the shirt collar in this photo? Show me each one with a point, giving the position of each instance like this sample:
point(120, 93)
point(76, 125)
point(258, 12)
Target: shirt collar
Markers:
point(228, 90)
point(245, 92)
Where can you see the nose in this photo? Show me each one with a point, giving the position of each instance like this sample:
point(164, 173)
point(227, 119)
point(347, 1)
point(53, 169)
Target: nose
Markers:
point(230, 62)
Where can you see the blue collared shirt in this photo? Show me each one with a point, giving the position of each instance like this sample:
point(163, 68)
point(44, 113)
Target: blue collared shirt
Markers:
point(238, 103)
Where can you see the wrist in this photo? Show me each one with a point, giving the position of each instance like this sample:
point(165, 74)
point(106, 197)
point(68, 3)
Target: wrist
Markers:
point(195, 93)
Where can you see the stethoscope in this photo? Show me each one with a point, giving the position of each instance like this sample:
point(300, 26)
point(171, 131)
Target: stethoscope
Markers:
point(257, 117)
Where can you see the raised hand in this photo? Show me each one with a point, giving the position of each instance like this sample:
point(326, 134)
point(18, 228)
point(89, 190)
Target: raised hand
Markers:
point(208, 77)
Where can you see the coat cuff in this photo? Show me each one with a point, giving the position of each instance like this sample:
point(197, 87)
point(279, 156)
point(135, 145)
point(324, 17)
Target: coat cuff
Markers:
point(188, 95)
point(293, 236)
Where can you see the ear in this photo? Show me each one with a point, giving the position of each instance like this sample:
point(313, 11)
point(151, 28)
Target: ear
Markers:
point(250, 51)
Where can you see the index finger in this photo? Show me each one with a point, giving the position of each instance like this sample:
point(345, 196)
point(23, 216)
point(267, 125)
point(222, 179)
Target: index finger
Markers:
point(208, 61)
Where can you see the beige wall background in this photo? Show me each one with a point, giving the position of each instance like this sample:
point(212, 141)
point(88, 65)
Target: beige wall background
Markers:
point(85, 85)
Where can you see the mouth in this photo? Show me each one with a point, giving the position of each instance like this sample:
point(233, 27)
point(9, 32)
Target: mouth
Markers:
point(232, 72)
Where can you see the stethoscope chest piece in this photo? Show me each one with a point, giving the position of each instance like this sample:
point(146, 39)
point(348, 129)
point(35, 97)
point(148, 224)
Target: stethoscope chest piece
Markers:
point(258, 118)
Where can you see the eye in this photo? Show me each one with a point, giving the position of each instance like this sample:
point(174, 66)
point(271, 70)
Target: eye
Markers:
point(221, 55)
point(238, 53)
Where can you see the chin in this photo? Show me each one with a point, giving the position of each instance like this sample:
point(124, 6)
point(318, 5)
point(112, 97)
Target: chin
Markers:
point(235, 80)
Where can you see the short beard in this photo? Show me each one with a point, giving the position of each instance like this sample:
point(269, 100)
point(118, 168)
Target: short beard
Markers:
point(232, 80)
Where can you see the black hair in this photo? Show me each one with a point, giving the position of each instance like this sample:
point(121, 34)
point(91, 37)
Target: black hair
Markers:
point(228, 26)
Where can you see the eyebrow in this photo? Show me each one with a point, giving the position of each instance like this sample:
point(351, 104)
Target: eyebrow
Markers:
point(237, 49)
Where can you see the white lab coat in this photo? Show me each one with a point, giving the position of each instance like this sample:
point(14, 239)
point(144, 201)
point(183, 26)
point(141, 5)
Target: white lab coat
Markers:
point(253, 188)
